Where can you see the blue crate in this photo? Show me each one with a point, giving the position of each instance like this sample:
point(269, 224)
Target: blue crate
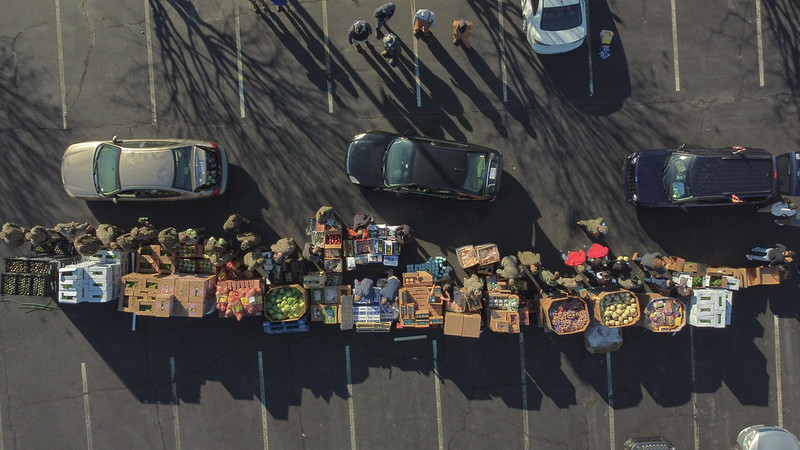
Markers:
point(296, 326)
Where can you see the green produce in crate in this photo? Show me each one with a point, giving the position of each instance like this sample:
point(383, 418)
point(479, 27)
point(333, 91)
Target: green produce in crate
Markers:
point(285, 304)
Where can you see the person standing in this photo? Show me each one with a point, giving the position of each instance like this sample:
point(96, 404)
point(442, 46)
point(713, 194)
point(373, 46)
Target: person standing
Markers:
point(391, 48)
point(280, 5)
point(383, 14)
point(423, 20)
point(461, 29)
point(776, 255)
point(359, 32)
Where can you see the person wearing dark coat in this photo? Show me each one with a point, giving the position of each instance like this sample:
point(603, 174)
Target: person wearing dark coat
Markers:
point(403, 235)
point(383, 14)
point(358, 32)
point(776, 255)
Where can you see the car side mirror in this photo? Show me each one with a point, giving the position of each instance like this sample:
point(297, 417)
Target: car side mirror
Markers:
point(115, 139)
point(115, 200)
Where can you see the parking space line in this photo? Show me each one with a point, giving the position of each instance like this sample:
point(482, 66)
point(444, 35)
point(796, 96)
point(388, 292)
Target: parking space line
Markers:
point(503, 60)
point(61, 66)
point(150, 71)
point(675, 47)
point(760, 46)
point(1, 427)
point(416, 59)
point(591, 67)
point(523, 372)
point(436, 382)
point(350, 398)
point(87, 415)
point(327, 54)
point(696, 431)
point(239, 59)
point(778, 379)
point(174, 402)
point(263, 400)
point(611, 436)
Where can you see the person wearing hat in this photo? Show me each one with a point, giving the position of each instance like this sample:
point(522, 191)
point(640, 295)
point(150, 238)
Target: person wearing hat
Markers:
point(461, 28)
point(391, 48)
point(383, 13)
point(358, 32)
point(362, 290)
point(423, 20)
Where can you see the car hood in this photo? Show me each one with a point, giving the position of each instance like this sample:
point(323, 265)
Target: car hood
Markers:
point(142, 168)
point(650, 178)
point(365, 158)
point(77, 167)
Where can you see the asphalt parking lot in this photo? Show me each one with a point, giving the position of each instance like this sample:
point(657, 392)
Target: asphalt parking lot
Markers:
point(284, 93)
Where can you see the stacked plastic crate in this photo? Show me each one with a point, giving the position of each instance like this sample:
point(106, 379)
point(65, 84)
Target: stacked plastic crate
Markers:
point(98, 279)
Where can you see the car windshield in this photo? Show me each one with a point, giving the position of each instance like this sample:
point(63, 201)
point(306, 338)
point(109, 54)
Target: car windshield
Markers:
point(106, 167)
point(476, 173)
point(559, 18)
point(399, 161)
point(783, 174)
point(183, 168)
point(676, 177)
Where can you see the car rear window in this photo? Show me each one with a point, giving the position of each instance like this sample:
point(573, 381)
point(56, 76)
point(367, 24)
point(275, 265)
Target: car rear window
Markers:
point(476, 173)
point(183, 168)
point(561, 17)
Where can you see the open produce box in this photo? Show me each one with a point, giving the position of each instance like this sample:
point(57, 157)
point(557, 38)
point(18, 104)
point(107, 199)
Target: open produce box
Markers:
point(618, 308)
point(663, 314)
point(563, 315)
point(285, 303)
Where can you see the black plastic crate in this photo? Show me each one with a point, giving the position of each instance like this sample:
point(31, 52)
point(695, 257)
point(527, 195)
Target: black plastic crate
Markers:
point(39, 264)
point(32, 284)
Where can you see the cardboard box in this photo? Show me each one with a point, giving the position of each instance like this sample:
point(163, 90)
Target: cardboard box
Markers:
point(151, 259)
point(502, 321)
point(487, 254)
point(316, 313)
point(462, 324)
point(156, 306)
point(756, 276)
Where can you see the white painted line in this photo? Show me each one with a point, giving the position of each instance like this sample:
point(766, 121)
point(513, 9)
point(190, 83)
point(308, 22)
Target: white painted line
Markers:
point(778, 379)
point(416, 58)
point(174, 403)
point(133, 323)
point(675, 47)
point(410, 338)
point(327, 54)
point(591, 67)
point(503, 71)
point(86, 407)
point(760, 44)
point(525, 427)
point(263, 400)
point(350, 398)
point(611, 436)
point(61, 66)
point(1, 427)
point(694, 391)
point(436, 382)
point(150, 71)
point(239, 59)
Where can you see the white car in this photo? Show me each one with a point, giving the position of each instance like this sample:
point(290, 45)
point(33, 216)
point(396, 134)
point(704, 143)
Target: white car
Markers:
point(554, 26)
point(762, 437)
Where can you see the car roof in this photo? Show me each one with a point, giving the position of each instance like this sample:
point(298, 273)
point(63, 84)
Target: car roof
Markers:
point(719, 175)
point(440, 167)
point(150, 168)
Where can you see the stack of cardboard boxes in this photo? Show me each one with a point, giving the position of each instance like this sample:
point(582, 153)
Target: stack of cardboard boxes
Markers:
point(154, 259)
point(325, 300)
point(710, 308)
point(420, 302)
point(162, 295)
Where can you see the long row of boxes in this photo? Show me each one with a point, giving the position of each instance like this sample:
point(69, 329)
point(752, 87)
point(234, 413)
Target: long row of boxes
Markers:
point(162, 295)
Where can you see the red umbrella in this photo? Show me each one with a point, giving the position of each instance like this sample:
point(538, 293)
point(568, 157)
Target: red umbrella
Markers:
point(597, 251)
point(575, 258)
